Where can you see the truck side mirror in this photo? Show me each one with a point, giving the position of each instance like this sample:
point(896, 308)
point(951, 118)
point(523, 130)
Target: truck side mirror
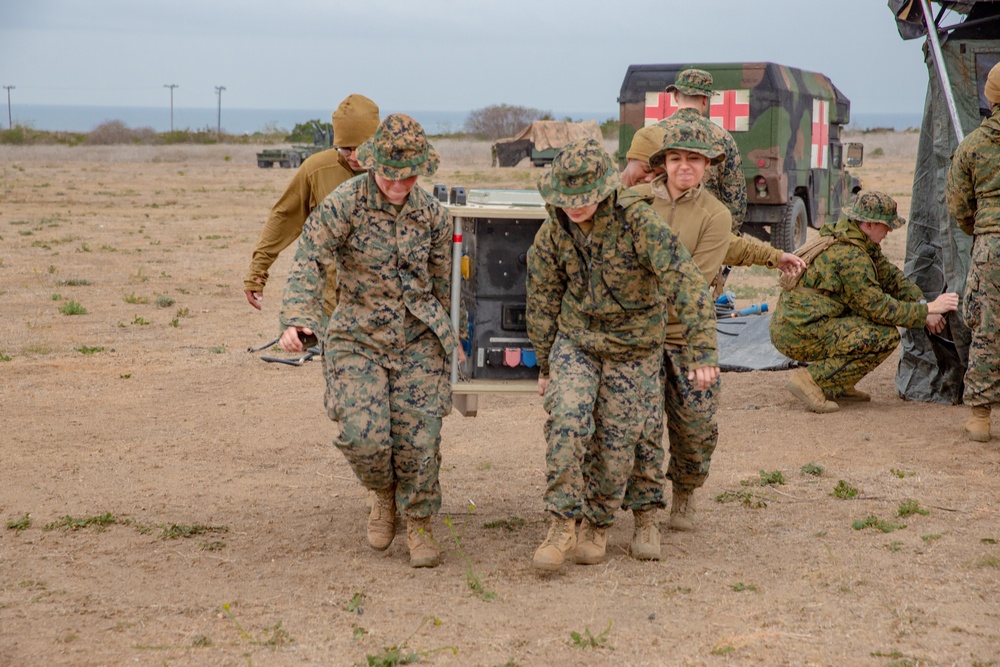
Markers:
point(855, 154)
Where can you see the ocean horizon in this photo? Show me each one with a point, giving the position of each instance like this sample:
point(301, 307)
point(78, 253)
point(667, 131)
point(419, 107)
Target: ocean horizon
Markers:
point(80, 118)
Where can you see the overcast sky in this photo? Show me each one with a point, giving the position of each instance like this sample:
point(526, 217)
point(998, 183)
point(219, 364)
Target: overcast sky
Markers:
point(450, 55)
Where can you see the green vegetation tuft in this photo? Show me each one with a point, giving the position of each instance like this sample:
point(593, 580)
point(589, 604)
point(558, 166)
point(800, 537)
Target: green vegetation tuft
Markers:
point(844, 491)
point(72, 308)
point(100, 521)
point(874, 522)
point(17, 525)
point(909, 507)
point(84, 349)
point(813, 469)
point(587, 640)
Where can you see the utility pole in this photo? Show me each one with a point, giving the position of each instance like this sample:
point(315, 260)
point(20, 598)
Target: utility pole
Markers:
point(10, 123)
point(171, 86)
point(218, 126)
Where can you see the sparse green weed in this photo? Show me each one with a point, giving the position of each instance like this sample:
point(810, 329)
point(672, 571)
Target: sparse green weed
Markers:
point(173, 531)
point(4, 357)
point(133, 298)
point(931, 537)
point(356, 604)
point(901, 473)
point(73, 282)
point(813, 469)
point(748, 499)
point(988, 561)
point(874, 522)
point(909, 507)
point(140, 321)
point(511, 524)
point(219, 349)
point(163, 301)
point(740, 587)
point(57, 297)
point(586, 640)
point(175, 323)
point(83, 349)
point(472, 579)
point(100, 521)
point(72, 308)
point(399, 654)
point(844, 491)
point(277, 634)
point(17, 525)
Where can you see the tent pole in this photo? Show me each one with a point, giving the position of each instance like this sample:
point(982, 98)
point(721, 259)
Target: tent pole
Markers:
point(932, 37)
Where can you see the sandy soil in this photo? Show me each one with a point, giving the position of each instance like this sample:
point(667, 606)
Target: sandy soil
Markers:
point(238, 530)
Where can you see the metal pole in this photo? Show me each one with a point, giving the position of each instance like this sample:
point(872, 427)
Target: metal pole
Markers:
point(171, 86)
point(218, 126)
point(932, 37)
point(10, 123)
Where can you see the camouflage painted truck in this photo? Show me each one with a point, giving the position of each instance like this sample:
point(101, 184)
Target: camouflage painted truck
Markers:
point(787, 123)
point(296, 155)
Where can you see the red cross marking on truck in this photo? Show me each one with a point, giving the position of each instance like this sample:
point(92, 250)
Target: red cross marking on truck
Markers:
point(659, 106)
point(730, 110)
point(820, 135)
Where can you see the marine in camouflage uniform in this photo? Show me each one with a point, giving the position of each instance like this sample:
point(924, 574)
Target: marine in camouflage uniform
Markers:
point(703, 225)
point(725, 179)
point(973, 198)
point(354, 122)
point(599, 274)
point(387, 341)
point(842, 316)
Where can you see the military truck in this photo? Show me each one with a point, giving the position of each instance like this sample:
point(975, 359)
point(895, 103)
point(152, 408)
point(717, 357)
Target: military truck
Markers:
point(787, 123)
point(296, 155)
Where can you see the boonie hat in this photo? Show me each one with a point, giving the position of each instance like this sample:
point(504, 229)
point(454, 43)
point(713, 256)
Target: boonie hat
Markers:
point(399, 150)
point(354, 121)
point(581, 174)
point(646, 141)
point(686, 136)
point(692, 82)
point(876, 207)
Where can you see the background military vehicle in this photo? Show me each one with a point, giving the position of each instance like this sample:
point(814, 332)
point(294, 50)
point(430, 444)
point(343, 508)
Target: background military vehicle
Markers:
point(787, 123)
point(296, 155)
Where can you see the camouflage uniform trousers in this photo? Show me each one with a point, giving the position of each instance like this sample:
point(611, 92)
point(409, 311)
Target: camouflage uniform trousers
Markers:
point(981, 310)
point(840, 350)
point(598, 409)
point(693, 433)
point(390, 421)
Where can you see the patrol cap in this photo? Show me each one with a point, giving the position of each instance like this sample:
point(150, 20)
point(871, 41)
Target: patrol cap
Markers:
point(646, 141)
point(354, 121)
point(399, 150)
point(992, 90)
point(875, 207)
point(682, 135)
point(581, 174)
point(692, 82)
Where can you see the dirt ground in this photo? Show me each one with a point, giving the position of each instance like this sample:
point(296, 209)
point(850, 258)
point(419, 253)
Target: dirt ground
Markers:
point(235, 532)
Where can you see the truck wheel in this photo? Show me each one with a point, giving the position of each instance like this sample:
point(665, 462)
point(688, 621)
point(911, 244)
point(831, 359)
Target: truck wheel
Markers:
point(295, 160)
point(264, 164)
point(791, 233)
point(285, 164)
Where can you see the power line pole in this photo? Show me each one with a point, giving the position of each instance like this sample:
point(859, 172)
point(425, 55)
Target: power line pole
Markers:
point(218, 126)
point(171, 86)
point(10, 123)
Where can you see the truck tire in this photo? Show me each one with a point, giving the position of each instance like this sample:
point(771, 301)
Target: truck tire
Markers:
point(294, 160)
point(791, 233)
point(264, 164)
point(285, 164)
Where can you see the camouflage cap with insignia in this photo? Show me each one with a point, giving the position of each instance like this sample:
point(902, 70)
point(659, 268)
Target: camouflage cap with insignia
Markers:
point(875, 207)
point(692, 82)
point(682, 135)
point(581, 174)
point(399, 150)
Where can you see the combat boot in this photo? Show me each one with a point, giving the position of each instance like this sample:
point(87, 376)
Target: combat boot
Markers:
point(978, 425)
point(559, 542)
point(645, 535)
point(804, 388)
point(852, 395)
point(382, 520)
point(370, 500)
point(682, 510)
point(423, 550)
point(592, 544)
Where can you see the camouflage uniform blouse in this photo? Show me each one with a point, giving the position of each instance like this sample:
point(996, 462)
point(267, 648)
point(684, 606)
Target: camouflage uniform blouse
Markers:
point(851, 278)
point(395, 272)
point(318, 176)
point(606, 291)
point(973, 191)
point(725, 180)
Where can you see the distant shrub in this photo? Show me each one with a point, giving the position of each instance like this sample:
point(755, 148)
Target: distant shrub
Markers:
point(877, 152)
point(609, 128)
point(112, 132)
point(501, 120)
